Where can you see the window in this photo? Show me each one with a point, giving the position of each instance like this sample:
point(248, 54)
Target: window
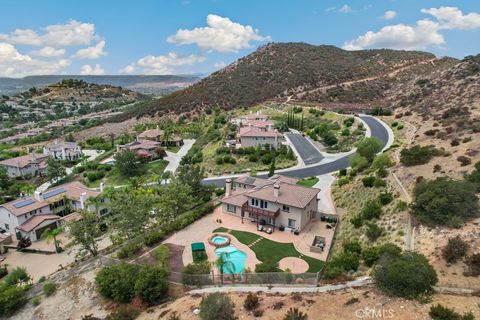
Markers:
point(7, 227)
point(103, 211)
point(292, 223)
point(256, 202)
point(231, 208)
point(253, 202)
point(286, 208)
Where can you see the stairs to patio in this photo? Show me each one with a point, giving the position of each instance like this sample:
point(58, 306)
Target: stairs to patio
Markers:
point(255, 242)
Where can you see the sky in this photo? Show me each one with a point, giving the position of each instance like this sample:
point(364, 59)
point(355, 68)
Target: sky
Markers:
point(95, 37)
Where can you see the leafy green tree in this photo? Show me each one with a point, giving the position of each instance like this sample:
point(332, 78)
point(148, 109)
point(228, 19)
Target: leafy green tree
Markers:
point(191, 175)
point(117, 282)
point(369, 147)
point(223, 264)
point(408, 275)
point(55, 169)
point(382, 161)
point(16, 276)
point(217, 306)
point(51, 235)
point(439, 312)
point(151, 284)
point(85, 232)
point(5, 181)
point(174, 199)
point(358, 162)
point(12, 298)
point(271, 171)
point(445, 202)
point(127, 163)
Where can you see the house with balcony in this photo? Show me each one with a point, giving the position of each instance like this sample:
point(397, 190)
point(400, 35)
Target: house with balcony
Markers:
point(277, 201)
point(30, 216)
point(30, 165)
point(63, 150)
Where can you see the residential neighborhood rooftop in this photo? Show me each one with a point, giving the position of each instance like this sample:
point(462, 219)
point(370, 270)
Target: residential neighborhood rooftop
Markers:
point(25, 160)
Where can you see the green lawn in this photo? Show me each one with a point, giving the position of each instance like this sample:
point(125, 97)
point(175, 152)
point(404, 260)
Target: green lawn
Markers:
point(308, 182)
point(152, 172)
point(268, 249)
point(173, 149)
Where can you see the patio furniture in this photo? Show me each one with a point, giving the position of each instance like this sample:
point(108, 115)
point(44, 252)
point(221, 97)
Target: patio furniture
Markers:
point(260, 228)
point(281, 228)
point(269, 230)
point(296, 232)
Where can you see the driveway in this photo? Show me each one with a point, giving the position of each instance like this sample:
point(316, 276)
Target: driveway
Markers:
point(377, 129)
point(175, 158)
point(305, 149)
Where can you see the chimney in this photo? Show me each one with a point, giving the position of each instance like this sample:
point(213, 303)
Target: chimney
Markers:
point(38, 195)
point(102, 186)
point(276, 190)
point(228, 187)
point(83, 200)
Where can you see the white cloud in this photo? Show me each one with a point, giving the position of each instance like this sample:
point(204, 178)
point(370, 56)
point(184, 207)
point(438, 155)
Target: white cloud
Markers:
point(49, 52)
point(59, 35)
point(389, 15)
point(88, 70)
point(345, 9)
point(94, 52)
point(15, 64)
point(161, 64)
point(453, 18)
point(220, 34)
point(329, 9)
point(419, 36)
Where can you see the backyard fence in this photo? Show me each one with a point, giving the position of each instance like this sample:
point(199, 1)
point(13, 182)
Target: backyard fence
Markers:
point(268, 278)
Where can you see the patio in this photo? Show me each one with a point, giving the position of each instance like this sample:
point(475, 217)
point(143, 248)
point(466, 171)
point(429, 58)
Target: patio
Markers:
point(302, 242)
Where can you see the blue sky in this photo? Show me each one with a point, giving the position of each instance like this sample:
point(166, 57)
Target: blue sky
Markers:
point(201, 36)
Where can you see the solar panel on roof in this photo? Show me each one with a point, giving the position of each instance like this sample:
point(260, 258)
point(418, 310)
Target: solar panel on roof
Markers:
point(23, 203)
point(52, 193)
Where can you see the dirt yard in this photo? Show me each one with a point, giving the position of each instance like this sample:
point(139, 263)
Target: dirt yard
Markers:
point(365, 303)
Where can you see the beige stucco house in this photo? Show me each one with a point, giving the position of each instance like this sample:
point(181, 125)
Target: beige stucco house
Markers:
point(277, 201)
point(29, 165)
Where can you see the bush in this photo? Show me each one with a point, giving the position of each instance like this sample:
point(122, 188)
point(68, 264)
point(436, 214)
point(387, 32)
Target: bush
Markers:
point(385, 198)
point(445, 202)
point(295, 314)
point(357, 221)
point(151, 284)
point(352, 246)
point(455, 249)
point(3, 271)
point(371, 210)
point(389, 250)
point(267, 266)
point(17, 275)
point(12, 298)
point(408, 275)
point(343, 181)
point(36, 301)
point(197, 268)
point(219, 192)
point(251, 302)
point(358, 162)
point(217, 306)
point(162, 255)
point(439, 312)
point(153, 238)
point(473, 263)
point(373, 231)
point(342, 172)
point(464, 161)
point(417, 155)
point(379, 183)
point(368, 181)
point(130, 249)
point(267, 158)
point(370, 255)
point(49, 288)
point(369, 147)
point(124, 312)
point(345, 261)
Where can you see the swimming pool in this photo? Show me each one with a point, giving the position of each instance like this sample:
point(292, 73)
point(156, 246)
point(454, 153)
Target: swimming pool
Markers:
point(237, 257)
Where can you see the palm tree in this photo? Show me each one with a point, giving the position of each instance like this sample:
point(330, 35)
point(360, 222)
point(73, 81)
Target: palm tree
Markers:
point(294, 314)
point(167, 135)
point(166, 175)
point(224, 264)
point(51, 234)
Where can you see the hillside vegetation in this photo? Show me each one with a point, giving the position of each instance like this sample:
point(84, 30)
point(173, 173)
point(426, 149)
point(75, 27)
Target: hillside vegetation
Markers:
point(279, 70)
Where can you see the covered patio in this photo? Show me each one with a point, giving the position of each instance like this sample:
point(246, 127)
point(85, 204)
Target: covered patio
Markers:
point(258, 212)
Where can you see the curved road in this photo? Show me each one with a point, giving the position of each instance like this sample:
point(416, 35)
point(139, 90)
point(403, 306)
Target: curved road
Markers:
point(377, 130)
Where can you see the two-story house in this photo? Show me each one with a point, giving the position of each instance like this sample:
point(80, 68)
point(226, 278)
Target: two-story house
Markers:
point(277, 201)
point(30, 216)
point(63, 150)
point(30, 165)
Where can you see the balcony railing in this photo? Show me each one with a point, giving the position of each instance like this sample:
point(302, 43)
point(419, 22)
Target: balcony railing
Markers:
point(260, 211)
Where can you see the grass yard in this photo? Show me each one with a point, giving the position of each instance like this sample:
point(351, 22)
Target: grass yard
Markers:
point(173, 149)
point(268, 249)
point(153, 171)
point(308, 182)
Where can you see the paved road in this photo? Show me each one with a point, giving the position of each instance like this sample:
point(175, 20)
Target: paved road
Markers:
point(377, 130)
point(305, 149)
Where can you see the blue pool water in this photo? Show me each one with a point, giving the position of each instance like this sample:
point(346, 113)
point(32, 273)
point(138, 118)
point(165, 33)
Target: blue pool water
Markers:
point(234, 255)
point(219, 240)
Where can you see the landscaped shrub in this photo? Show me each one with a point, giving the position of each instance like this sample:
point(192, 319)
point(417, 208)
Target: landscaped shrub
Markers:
point(217, 306)
point(153, 237)
point(455, 249)
point(36, 301)
point(162, 255)
point(372, 210)
point(3, 271)
point(368, 181)
point(267, 158)
point(343, 181)
point(352, 246)
point(190, 272)
point(199, 256)
point(439, 312)
point(357, 221)
point(369, 147)
point(342, 172)
point(417, 155)
point(379, 183)
point(358, 162)
point(12, 298)
point(267, 266)
point(130, 249)
point(408, 275)
point(445, 202)
point(373, 231)
point(342, 262)
point(251, 302)
point(17, 275)
point(219, 192)
point(49, 288)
